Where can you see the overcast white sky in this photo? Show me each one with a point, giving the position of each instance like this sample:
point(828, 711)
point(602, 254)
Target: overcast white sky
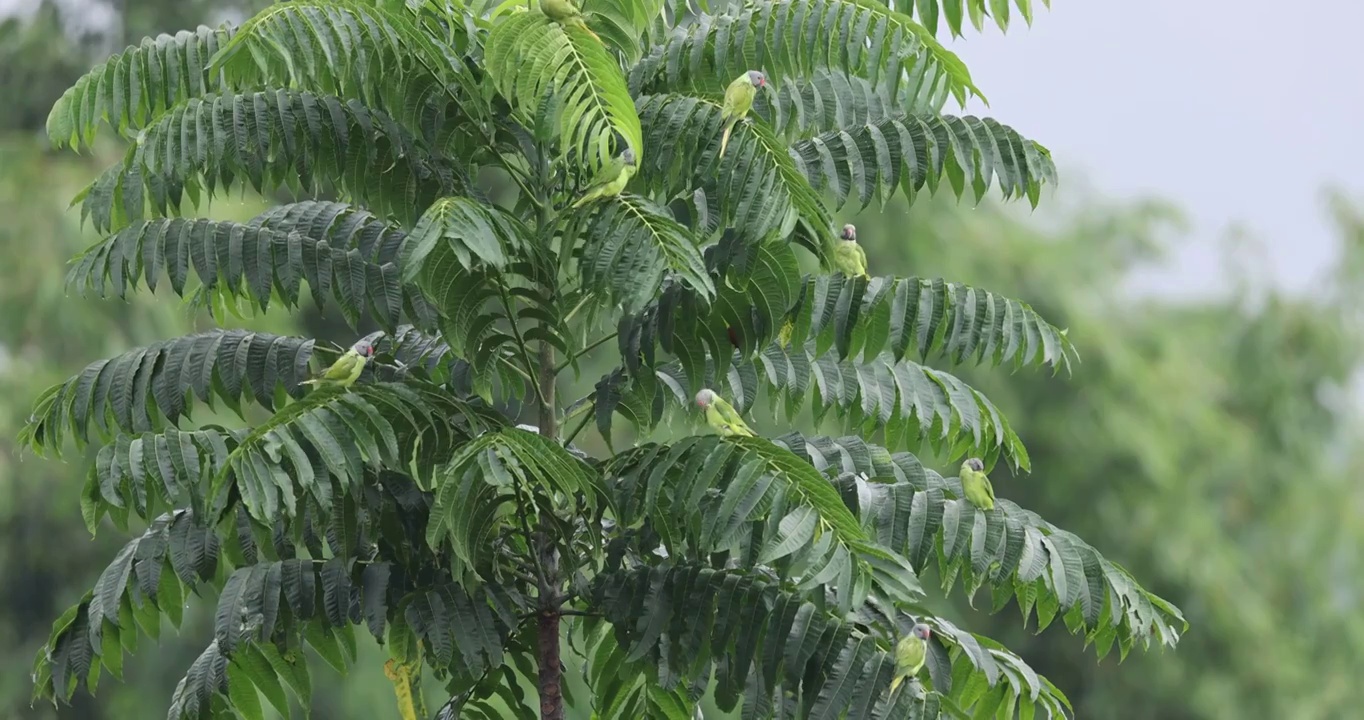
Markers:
point(1239, 110)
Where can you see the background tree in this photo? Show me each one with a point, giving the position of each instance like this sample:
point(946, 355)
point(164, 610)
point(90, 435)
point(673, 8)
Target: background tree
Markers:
point(783, 570)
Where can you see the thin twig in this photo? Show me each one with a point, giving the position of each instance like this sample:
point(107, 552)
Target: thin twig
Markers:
point(589, 348)
point(587, 418)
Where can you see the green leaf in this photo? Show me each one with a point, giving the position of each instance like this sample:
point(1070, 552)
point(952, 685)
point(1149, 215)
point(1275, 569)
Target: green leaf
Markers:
point(1017, 543)
point(531, 59)
point(134, 87)
point(759, 189)
point(914, 151)
point(270, 140)
point(796, 38)
point(223, 364)
point(630, 246)
point(252, 262)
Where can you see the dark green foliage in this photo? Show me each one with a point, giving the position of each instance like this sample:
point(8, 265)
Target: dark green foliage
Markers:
point(135, 87)
point(269, 140)
point(912, 151)
point(1021, 556)
point(145, 388)
point(797, 38)
point(252, 261)
point(757, 186)
point(454, 141)
point(784, 656)
point(630, 246)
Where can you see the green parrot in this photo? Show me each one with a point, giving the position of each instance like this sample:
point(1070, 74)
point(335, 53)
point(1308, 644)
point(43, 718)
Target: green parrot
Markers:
point(611, 179)
point(849, 257)
point(346, 370)
point(910, 654)
point(721, 415)
point(565, 12)
point(976, 485)
point(738, 101)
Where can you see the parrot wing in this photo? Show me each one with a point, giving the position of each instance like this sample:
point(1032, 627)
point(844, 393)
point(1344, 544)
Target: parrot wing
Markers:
point(608, 172)
point(344, 371)
point(860, 259)
point(910, 654)
point(731, 417)
point(978, 490)
point(738, 97)
point(344, 367)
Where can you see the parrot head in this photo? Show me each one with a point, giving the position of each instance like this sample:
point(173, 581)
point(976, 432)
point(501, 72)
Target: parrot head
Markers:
point(921, 631)
point(628, 156)
point(757, 78)
point(364, 348)
point(974, 464)
point(849, 233)
point(705, 398)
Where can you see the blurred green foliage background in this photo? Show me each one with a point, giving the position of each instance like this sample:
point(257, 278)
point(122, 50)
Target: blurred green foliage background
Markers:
point(1210, 445)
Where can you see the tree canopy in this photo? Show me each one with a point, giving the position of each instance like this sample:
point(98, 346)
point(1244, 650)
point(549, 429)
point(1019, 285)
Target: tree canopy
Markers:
point(438, 155)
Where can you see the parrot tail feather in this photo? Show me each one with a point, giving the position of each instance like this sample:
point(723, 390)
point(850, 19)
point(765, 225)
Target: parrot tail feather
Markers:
point(895, 683)
point(724, 139)
point(583, 24)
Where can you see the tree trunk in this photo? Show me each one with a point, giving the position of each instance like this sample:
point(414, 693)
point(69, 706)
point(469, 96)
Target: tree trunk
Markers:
point(551, 669)
point(551, 691)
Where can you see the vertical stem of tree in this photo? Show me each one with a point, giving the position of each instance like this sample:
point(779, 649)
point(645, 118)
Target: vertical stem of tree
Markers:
point(551, 672)
point(550, 675)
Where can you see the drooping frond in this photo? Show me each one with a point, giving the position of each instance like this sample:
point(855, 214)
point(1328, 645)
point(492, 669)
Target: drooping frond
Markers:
point(145, 473)
point(953, 12)
point(461, 629)
point(755, 288)
point(272, 139)
point(374, 51)
point(908, 404)
point(134, 87)
point(630, 245)
point(147, 579)
point(911, 152)
point(250, 261)
point(921, 316)
point(795, 38)
point(330, 438)
point(145, 388)
point(624, 690)
point(757, 503)
point(829, 100)
point(1021, 556)
point(757, 186)
point(532, 58)
point(474, 492)
point(782, 655)
point(623, 23)
point(473, 233)
point(339, 225)
point(486, 315)
point(975, 674)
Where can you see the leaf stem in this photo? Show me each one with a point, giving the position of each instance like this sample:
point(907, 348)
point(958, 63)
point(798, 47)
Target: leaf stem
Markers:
point(589, 348)
point(586, 418)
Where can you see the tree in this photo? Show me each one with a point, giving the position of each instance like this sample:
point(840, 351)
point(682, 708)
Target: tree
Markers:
point(774, 572)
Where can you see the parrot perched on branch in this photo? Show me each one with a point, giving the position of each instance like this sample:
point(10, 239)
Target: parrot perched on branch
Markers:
point(566, 12)
point(721, 415)
point(910, 654)
point(346, 370)
point(976, 484)
point(611, 179)
point(738, 101)
point(849, 257)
